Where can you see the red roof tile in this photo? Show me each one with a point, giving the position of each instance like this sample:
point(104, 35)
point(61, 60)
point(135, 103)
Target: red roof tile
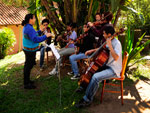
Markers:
point(11, 15)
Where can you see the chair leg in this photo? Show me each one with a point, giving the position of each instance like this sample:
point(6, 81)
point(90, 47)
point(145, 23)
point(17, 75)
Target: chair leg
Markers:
point(102, 93)
point(47, 58)
point(82, 66)
point(63, 61)
point(121, 91)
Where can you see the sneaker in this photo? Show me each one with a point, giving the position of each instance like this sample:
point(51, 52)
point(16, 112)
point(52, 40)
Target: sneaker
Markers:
point(31, 82)
point(41, 68)
point(70, 73)
point(75, 77)
point(61, 65)
point(80, 90)
point(29, 86)
point(53, 72)
point(82, 103)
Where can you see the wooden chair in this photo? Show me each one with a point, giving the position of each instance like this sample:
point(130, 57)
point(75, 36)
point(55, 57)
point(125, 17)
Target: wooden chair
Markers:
point(122, 77)
point(47, 57)
point(65, 61)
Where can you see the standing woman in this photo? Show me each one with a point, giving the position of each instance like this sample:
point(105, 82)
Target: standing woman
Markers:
point(31, 42)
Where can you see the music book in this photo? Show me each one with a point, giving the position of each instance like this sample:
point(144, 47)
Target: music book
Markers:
point(54, 50)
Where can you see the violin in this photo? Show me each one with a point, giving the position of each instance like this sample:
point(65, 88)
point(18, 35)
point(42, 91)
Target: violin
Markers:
point(76, 40)
point(101, 21)
point(100, 58)
point(97, 23)
point(84, 34)
point(64, 35)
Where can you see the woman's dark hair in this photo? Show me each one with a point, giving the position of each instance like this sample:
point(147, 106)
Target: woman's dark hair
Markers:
point(109, 29)
point(69, 24)
point(108, 16)
point(27, 18)
point(98, 14)
point(73, 25)
point(45, 21)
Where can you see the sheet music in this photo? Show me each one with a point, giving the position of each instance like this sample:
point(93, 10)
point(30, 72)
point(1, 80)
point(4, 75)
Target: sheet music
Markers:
point(43, 43)
point(54, 50)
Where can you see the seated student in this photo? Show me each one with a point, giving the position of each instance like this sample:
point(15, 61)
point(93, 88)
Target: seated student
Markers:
point(88, 44)
point(45, 23)
point(94, 30)
point(112, 70)
point(97, 30)
point(72, 35)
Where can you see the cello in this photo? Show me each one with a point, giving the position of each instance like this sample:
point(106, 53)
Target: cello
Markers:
point(100, 57)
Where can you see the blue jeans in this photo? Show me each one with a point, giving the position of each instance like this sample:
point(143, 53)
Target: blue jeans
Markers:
point(73, 60)
point(42, 54)
point(94, 83)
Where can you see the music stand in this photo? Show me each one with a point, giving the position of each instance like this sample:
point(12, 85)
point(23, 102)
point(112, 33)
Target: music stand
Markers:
point(56, 54)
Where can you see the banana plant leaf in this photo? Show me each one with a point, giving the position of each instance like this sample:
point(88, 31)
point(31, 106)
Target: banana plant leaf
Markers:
point(137, 50)
point(128, 45)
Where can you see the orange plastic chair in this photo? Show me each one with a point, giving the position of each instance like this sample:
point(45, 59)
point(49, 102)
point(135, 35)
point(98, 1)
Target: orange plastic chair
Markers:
point(122, 77)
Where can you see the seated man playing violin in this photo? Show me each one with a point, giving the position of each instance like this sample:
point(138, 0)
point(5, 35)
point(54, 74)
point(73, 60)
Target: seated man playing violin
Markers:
point(70, 49)
point(43, 47)
point(112, 70)
point(94, 29)
point(98, 26)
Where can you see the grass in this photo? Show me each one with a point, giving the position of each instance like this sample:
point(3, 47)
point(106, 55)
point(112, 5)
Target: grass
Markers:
point(140, 70)
point(46, 98)
point(43, 100)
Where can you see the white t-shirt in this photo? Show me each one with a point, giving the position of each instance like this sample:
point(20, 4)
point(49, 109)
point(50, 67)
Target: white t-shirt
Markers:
point(115, 65)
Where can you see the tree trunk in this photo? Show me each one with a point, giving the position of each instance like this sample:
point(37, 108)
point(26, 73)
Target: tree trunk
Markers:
point(74, 11)
point(21, 2)
point(117, 17)
point(90, 10)
point(67, 10)
point(99, 8)
point(37, 21)
point(79, 3)
point(52, 17)
point(122, 2)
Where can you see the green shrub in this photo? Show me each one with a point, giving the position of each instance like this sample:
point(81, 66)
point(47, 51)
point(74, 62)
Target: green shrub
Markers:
point(7, 40)
point(128, 45)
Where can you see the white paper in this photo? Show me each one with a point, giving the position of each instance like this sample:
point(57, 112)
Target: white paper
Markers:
point(43, 43)
point(54, 50)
